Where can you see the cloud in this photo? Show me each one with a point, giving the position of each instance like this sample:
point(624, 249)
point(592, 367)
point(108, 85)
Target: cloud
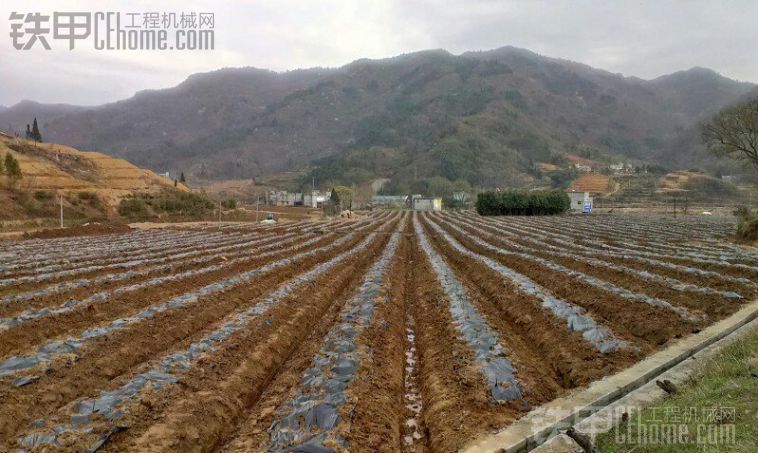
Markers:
point(645, 39)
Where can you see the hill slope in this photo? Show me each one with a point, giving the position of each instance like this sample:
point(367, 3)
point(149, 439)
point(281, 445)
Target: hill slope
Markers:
point(482, 117)
point(95, 179)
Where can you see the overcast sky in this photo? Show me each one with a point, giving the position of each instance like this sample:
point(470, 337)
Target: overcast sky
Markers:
point(641, 38)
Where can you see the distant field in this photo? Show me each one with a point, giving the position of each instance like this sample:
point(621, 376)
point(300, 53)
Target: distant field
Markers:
point(397, 331)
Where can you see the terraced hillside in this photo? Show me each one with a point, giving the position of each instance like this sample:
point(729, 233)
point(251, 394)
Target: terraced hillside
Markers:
point(49, 166)
point(397, 332)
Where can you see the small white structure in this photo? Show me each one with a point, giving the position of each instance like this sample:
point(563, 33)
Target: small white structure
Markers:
point(580, 201)
point(315, 199)
point(427, 204)
point(284, 198)
point(389, 201)
point(616, 168)
point(621, 169)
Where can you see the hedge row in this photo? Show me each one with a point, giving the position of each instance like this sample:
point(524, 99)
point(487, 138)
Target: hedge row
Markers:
point(514, 202)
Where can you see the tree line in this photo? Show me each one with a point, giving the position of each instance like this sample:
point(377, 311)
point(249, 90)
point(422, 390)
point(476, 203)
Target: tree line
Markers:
point(519, 202)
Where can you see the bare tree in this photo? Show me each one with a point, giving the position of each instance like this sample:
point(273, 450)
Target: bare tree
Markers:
point(733, 132)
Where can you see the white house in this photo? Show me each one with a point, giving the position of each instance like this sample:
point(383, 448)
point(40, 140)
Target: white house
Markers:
point(314, 199)
point(579, 200)
point(284, 198)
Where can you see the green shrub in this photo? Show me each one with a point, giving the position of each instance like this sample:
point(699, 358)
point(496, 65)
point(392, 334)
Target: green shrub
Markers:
point(96, 203)
point(747, 229)
point(133, 208)
point(12, 167)
point(711, 187)
point(742, 211)
point(86, 195)
point(43, 195)
point(34, 208)
point(514, 202)
point(747, 224)
point(169, 202)
point(562, 177)
point(229, 203)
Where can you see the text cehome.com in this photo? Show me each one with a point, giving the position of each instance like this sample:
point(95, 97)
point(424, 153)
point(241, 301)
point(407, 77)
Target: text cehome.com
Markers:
point(110, 35)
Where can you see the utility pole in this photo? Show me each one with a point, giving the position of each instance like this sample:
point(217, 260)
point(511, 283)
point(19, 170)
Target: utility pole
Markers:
point(61, 202)
point(219, 210)
point(257, 201)
point(674, 198)
point(686, 202)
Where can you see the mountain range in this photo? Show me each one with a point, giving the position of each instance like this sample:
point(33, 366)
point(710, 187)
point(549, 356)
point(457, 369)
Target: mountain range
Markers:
point(485, 118)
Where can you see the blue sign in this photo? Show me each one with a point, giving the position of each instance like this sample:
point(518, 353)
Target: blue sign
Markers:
point(587, 207)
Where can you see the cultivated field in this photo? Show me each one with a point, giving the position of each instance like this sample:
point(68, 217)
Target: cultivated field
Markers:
point(395, 332)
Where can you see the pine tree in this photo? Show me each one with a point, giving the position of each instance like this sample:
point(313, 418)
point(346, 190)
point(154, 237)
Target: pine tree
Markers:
point(35, 132)
point(181, 178)
point(28, 132)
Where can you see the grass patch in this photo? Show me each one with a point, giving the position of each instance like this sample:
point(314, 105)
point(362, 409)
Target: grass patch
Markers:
point(716, 410)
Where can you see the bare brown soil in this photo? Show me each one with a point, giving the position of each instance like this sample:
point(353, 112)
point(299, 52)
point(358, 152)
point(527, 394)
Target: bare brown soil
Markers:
point(109, 358)
point(228, 400)
point(92, 229)
point(377, 421)
point(19, 339)
point(213, 405)
point(176, 267)
point(713, 305)
point(456, 406)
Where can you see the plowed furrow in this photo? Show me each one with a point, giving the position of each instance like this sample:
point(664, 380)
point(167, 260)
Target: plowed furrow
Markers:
point(105, 285)
point(693, 275)
point(214, 403)
point(623, 317)
point(713, 303)
point(18, 338)
point(115, 355)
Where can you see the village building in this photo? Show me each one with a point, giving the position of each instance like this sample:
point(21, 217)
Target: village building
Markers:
point(284, 198)
point(427, 204)
point(315, 199)
point(389, 201)
point(584, 188)
point(580, 201)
